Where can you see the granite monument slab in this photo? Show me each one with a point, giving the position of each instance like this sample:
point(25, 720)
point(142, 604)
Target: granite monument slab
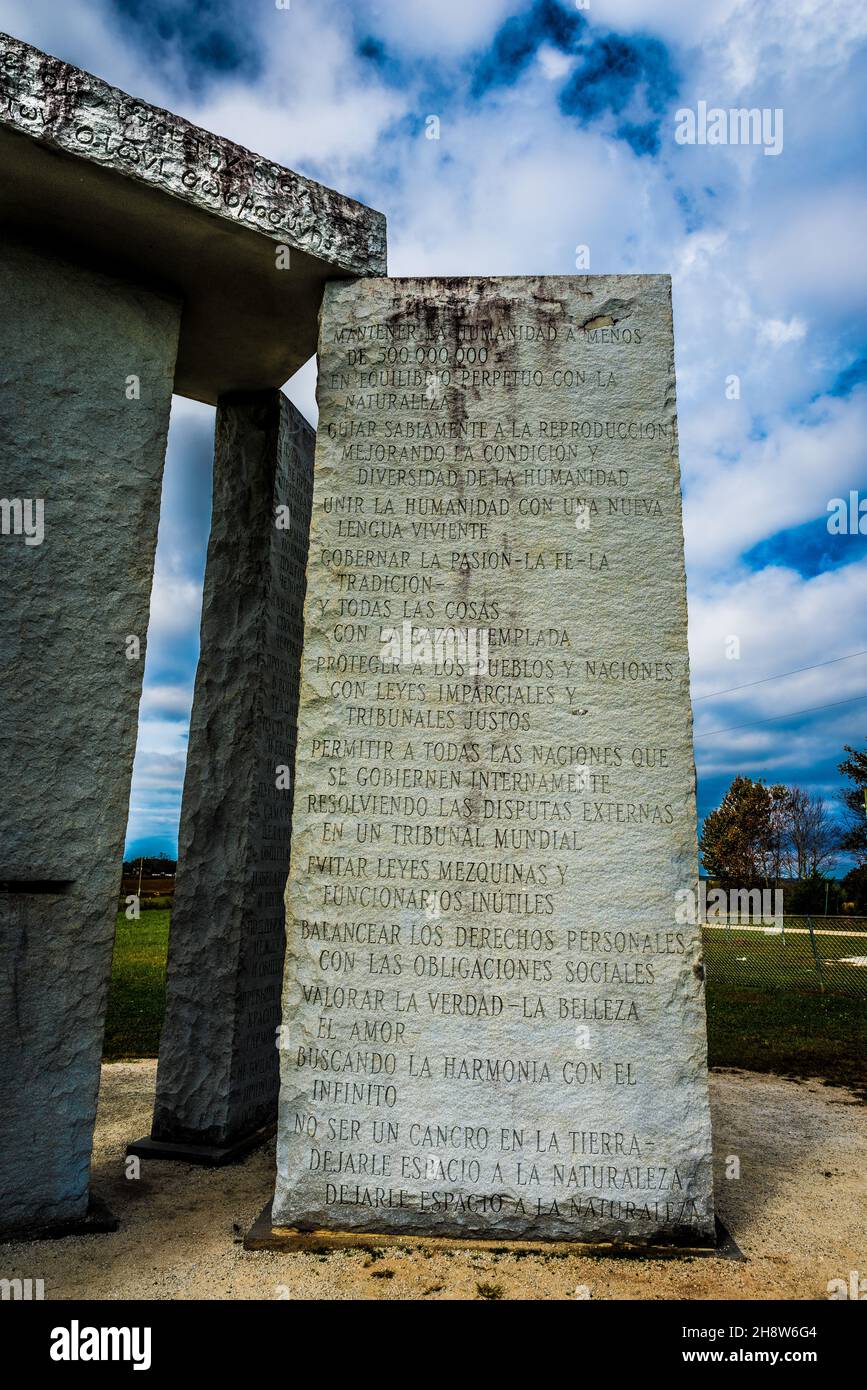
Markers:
point(493, 1014)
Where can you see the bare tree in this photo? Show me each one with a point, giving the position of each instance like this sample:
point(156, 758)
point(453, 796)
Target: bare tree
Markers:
point(778, 832)
point(812, 835)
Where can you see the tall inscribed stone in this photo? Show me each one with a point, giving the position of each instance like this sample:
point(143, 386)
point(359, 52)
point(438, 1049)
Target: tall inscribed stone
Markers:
point(493, 1015)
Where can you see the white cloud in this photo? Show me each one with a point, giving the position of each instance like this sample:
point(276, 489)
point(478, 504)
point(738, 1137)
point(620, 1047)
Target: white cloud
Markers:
point(301, 390)
point(320, 121)
point(513, 189)
point(84, 32)
point(678, 21)
point(156, 770)
point(176, 605)
point(809, 252)
point(166, 700)
point(777, 332)
point(777, 38)
point(813, 620)
point(316, 103)
point(776, 482)
point(439, 27)
point(553, 63)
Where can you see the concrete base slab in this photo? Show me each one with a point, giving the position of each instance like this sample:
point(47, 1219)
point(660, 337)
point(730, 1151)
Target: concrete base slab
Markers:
point(263, 1236)
point(97, 1220)
point(204, 1155)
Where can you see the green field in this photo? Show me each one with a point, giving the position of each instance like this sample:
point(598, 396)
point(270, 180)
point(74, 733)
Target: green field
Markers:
point(746, 958)
point(765, 1009)
point(772, 1007)
point(136, 997)
point(794, 1034)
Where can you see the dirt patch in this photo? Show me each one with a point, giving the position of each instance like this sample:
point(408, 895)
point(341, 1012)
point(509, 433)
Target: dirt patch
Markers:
point(796, 1211)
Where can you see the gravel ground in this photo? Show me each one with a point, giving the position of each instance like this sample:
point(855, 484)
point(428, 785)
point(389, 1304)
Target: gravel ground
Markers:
point(797, 1212)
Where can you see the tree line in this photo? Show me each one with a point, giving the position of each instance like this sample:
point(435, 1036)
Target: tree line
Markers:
point(762, 836)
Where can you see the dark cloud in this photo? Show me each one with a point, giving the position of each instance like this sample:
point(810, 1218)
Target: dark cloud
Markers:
point(623, 76)
point(809, 549)
point(208, 40)
point(520, 38)
point(632, 78)
point(850, 377)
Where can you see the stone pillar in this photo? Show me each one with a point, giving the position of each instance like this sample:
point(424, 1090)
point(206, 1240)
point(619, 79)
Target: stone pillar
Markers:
point(217, 1080)
point(493, 1016)
point(86, 368)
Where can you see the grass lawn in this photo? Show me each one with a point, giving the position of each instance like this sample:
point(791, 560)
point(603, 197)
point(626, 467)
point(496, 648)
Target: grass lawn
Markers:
point(794, 1034)
point(744, 958)
point(136, 997)
point(766, 1010)
point(751, 1023)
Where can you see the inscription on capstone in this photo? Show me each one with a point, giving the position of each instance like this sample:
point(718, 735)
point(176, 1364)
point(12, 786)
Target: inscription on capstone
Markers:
point(77, 113)
point(493, 1016)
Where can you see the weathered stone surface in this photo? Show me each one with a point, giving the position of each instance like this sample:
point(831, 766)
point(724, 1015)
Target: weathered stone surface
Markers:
point(493, 1018)
point(218, 1070)
point(141, 190)
point(72, 438)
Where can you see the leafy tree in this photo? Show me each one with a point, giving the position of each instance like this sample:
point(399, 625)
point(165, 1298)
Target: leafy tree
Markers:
point(855, 890)
point(812, 893)
point(759, 833)
point(740, 841)
point(854, 837)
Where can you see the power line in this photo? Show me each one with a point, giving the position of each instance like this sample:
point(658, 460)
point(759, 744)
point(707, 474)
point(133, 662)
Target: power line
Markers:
point(811, 709)
point(797, 671)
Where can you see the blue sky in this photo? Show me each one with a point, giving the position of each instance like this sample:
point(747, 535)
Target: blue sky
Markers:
point(557, 130)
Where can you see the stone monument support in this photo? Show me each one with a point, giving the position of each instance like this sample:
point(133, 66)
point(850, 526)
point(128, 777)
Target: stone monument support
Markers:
point(218, 1070)
point(493, 1013)
point(151, 213)
point(85, 394)
point(119, 183)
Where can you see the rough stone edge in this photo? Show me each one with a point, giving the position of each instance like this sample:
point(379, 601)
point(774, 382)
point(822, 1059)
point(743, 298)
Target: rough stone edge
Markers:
point(288, 1240)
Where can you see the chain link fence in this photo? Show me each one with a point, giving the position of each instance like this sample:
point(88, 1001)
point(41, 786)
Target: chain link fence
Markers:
point(806, 955)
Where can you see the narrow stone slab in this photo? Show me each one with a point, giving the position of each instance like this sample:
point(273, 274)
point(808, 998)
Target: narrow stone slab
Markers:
point(493, 1014)
point(217, 1080)
point(85, 392)
point(140, 191)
